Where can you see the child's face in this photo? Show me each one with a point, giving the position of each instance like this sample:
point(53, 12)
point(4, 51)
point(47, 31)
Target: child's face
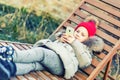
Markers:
point(81, 34)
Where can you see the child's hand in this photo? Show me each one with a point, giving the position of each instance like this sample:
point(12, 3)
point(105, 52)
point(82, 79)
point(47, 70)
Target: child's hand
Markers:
point(62, 38)
point(67, 38)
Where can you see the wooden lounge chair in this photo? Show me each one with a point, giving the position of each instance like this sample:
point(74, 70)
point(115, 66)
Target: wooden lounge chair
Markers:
point(108, 11)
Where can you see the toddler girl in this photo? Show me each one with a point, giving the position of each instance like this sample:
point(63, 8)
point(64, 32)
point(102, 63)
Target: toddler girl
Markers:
point(61, 57)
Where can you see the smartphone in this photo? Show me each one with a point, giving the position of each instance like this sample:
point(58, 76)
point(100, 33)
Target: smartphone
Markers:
point(69, 31)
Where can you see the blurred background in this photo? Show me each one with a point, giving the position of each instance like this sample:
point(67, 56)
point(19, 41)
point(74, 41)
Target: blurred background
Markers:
point(31, 20)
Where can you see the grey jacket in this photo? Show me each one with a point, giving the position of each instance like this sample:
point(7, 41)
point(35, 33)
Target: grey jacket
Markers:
point(74, 55)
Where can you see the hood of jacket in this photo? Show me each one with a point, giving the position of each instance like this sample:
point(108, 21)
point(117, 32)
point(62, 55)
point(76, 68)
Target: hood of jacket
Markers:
point(95, 44)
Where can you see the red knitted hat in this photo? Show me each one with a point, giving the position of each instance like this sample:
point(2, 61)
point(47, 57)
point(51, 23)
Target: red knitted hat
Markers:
point(90, 26)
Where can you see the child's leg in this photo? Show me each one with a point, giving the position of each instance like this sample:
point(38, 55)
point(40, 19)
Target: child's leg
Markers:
point(30, 55)
point(24, 68)
point(48, 58)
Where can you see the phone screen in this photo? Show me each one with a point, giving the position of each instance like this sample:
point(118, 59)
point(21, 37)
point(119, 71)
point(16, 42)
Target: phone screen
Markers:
point(69, 31)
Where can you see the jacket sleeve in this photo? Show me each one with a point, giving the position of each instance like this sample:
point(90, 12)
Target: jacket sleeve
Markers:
point(57, 35)
point(82, 53)
point(41, 42)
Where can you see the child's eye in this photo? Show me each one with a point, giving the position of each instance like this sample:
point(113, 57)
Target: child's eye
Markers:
point(78, 31)
point(83, 34)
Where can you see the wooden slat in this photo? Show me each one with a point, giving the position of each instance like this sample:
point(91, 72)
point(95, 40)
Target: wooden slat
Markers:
point(107, 47)
point(89, 69)
point(95, 62)
point(16, 48)
point(30, 46)
point(43, 75)
point(104, 7)
point(21, 78)
point(3, 43)
point(29, 77)
point(36, 76)
point(101, 55)
point(101, 15)
point(80, 13)
point(72, 18)
point(115, 3)
point(25, 47)
point(106, 36)
point(52, 77)
point(80, 76)
point(110, 29)
point(68, 24)
point(19, 46)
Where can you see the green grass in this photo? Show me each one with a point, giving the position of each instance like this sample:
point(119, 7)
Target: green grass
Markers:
point(20, 25)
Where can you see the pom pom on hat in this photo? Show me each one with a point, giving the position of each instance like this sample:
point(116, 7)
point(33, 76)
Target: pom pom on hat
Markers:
point(90, 26)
